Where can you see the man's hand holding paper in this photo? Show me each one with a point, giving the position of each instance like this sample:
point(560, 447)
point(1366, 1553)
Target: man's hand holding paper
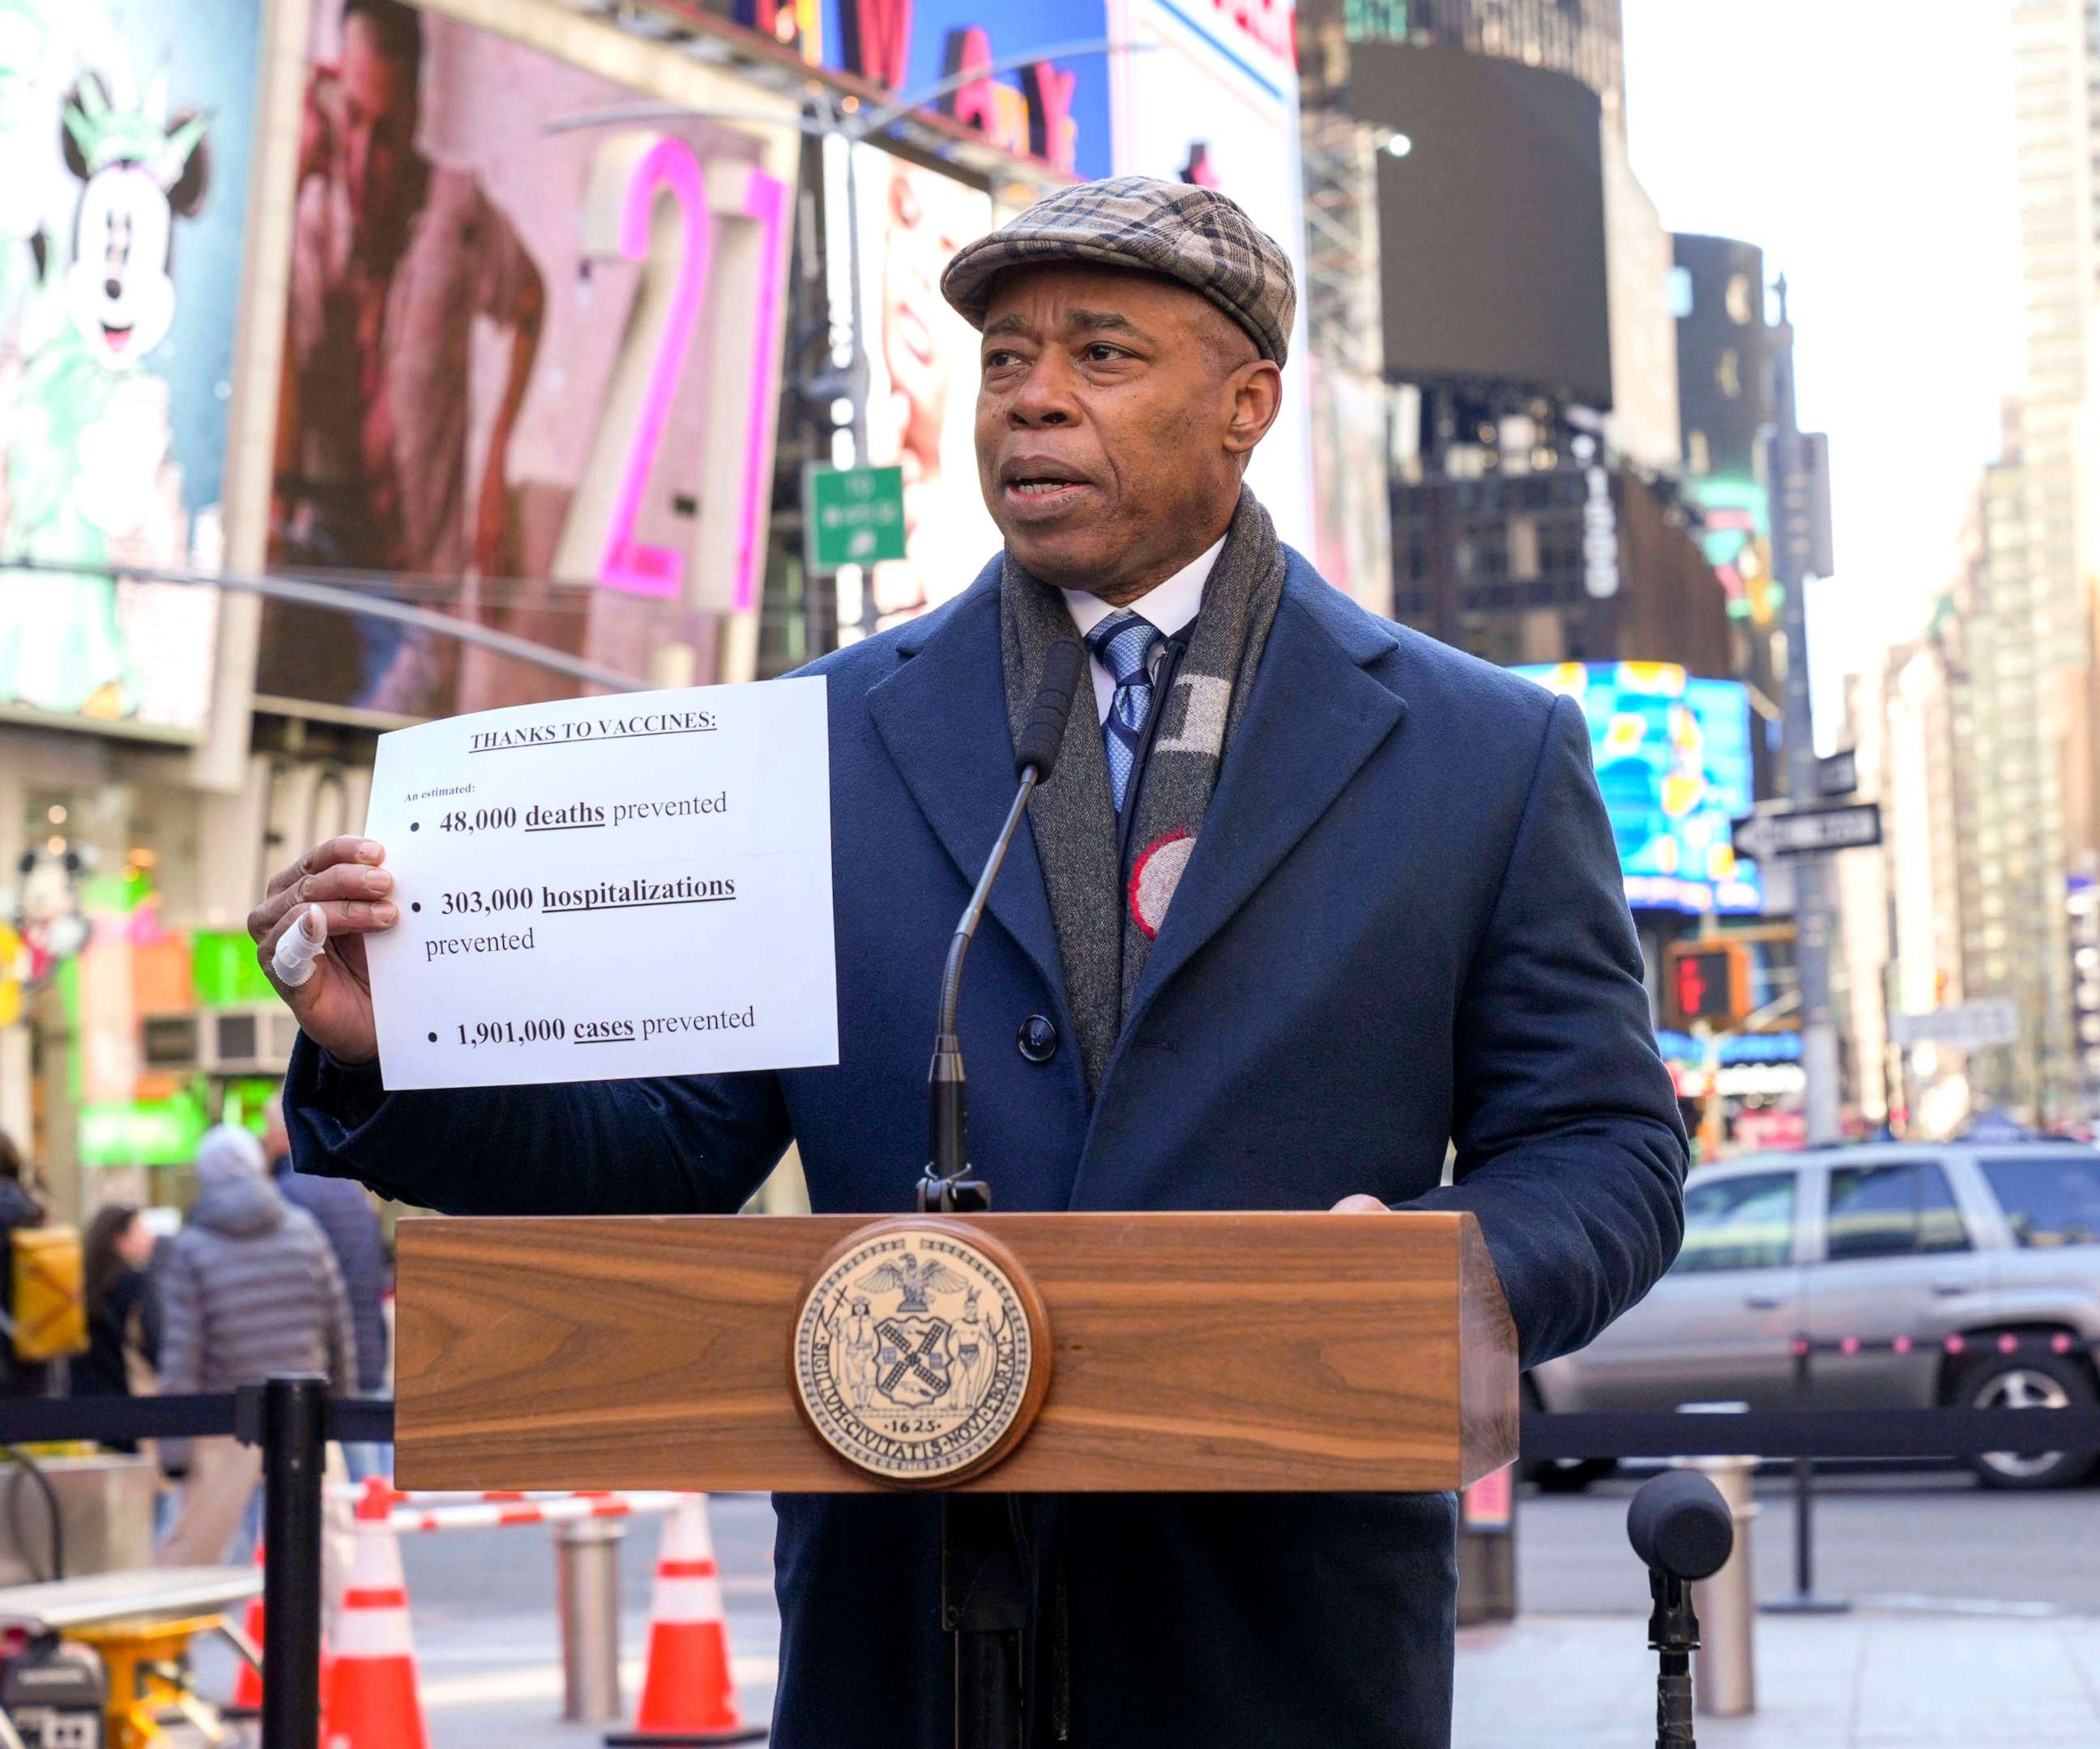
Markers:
point(336, 894)
point(596, 888)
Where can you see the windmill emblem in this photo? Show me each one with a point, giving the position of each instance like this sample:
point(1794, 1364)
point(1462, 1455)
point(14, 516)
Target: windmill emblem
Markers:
point(913, 1367)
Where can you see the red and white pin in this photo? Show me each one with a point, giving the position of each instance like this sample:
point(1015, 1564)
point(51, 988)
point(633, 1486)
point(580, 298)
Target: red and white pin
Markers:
point(1157, 874)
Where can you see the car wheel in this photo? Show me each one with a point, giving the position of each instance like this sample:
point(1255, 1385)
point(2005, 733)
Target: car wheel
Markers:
point(1561, 1475)
point(1571, 1475)
point(2028, 1381)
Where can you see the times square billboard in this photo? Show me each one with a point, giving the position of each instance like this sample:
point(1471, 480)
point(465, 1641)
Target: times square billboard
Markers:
point(128, 132)
point(1673, 760)
point(529, 375)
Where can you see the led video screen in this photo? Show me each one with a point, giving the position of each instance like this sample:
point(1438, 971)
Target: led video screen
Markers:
point(1491, 220)
point(1673, 757)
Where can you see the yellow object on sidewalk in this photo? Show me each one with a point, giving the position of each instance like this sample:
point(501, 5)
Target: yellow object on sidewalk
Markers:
point(149, 1686)
point(48, 1301)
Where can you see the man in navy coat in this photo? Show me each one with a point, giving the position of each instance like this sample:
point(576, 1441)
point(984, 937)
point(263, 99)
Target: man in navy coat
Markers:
point(1309, 899)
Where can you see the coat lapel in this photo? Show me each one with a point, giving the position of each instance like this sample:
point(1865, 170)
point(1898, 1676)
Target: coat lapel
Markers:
point(1315, 717)
point(942, 717)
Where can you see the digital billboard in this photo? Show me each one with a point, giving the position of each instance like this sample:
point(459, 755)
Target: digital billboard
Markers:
point(1724, 392)
point(922, 382)
point(1673, 759)
point(126, 132)
point(529, 378)
point(1054, 111)
point(1491, 224)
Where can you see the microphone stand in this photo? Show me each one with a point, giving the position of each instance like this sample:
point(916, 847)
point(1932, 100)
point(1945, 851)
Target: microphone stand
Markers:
point(985, 1591)
point(947, 1188)
point(1673, 1634)
point(1683, 1531)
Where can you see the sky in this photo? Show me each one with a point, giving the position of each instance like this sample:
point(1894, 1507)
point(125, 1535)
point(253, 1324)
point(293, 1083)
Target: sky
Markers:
point(1867, 145)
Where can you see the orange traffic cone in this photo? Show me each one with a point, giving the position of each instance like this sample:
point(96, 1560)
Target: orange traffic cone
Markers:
point(371, 1692)
point(248, 1686)
point(689, 1696)
point(247, 1702)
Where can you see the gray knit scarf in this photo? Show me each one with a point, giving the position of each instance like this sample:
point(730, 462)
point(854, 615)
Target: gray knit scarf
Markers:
point(1107, 916)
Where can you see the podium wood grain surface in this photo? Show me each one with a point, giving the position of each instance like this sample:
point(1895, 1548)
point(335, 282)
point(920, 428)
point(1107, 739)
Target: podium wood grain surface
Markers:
point(1197, 1352)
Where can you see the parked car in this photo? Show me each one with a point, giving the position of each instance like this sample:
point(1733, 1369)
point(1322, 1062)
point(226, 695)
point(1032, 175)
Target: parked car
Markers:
point(1922, 1241)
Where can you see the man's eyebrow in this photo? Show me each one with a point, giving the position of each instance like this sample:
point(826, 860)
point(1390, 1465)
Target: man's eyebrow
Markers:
point(1076, 321)
point(1103, 321)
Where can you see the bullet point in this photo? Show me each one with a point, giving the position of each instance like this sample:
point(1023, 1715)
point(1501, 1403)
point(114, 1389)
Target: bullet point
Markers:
point(432, 1037)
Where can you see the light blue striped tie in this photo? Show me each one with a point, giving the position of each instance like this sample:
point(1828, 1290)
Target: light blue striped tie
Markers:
point(1124, 644)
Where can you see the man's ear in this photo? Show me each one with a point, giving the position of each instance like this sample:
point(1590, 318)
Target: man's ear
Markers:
point(1257, 397)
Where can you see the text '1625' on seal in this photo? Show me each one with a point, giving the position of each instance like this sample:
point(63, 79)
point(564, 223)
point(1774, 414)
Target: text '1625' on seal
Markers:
point(921, 1351)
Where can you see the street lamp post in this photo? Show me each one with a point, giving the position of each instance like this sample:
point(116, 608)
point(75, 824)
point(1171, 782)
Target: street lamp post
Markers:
point(1815, 916)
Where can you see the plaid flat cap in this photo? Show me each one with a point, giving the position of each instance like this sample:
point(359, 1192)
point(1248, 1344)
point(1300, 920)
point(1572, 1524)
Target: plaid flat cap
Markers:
point(1196, 235)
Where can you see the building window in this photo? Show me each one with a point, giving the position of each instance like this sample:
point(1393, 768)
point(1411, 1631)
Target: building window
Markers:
point(1680, 292)
point(1524, 549)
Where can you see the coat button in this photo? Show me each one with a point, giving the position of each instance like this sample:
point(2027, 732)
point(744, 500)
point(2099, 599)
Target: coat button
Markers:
point(1038, 1038)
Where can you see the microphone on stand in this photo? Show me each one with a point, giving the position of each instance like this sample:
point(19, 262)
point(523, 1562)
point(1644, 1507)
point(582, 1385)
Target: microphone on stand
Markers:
point(1683, 1532)
point(947, 1187)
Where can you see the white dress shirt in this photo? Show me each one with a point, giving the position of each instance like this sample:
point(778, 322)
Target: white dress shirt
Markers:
point(1171, 606)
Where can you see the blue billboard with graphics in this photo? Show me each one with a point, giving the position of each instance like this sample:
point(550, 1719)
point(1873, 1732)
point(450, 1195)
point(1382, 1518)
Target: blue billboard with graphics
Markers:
point(1673, 757)
point(1054, 110)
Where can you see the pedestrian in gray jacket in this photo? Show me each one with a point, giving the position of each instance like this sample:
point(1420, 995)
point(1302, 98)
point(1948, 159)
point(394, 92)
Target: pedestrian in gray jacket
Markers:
point(249, 1289)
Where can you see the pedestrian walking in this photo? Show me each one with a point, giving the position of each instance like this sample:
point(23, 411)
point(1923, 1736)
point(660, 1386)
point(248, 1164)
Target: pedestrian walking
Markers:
point(123, 1357)
point(249, 1289)
point(344, 1212)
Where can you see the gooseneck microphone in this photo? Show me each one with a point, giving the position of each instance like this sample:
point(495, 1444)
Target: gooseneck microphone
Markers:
point(947, 1187)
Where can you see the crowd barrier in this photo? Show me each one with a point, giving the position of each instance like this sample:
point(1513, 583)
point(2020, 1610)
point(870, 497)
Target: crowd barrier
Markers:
point(410, 1513)
point(292, 1420)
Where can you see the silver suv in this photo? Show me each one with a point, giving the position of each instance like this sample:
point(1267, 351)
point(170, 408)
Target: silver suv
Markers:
point(1896, 1247)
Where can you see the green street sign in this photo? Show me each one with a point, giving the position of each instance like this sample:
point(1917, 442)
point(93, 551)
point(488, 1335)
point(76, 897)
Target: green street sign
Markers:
point(851, 516)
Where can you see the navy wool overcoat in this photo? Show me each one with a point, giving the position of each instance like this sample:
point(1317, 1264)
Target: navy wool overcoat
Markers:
point(1403, 927)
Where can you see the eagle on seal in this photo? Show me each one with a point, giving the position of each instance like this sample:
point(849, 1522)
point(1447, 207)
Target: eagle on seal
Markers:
point(914, 1277)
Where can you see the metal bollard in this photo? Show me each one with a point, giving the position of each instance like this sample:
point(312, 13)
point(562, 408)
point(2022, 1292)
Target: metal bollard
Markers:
point(1725, 1667)
point(586, 1560)
point(1487, 1549)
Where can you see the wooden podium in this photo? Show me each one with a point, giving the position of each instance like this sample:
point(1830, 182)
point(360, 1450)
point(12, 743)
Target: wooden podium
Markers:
point(976, 1353)
point(1200, 1352)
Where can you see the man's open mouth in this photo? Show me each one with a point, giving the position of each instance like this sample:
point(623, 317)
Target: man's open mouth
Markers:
point(1040, 484)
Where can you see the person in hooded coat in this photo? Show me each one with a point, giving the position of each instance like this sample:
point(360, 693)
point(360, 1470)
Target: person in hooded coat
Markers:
point(249, 1289)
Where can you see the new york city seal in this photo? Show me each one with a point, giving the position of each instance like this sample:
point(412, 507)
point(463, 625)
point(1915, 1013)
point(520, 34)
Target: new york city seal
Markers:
point(920, 1352)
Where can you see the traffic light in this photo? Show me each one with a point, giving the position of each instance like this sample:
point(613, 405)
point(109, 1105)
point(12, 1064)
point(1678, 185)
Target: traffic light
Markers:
point(1709, 980)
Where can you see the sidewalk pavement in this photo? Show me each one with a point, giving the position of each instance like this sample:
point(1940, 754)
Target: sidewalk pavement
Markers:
point(1869, 1679)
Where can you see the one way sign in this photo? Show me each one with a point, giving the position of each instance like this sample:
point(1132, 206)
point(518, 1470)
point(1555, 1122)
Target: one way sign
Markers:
point(1803, 831)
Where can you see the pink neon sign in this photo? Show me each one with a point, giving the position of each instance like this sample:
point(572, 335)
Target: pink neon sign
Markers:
point(764, 199)
point(631, 565)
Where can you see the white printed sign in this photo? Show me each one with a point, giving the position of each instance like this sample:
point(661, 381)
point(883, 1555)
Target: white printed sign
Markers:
point(599, 889)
